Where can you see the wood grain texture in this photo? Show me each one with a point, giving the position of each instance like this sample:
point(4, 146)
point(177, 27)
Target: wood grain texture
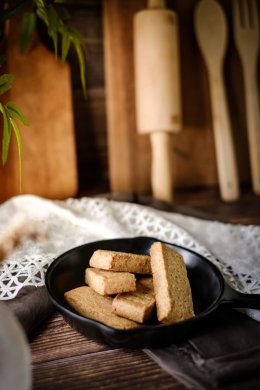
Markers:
point(63, 358)
point(90, 113)
point(246, 35)
point(42, 90)
point(213, 48)
point(129, 159)
point(193, 154)
point(245, 211)
point(55, 333)
point(203, 203)
point(157, 70)
point(157, 89)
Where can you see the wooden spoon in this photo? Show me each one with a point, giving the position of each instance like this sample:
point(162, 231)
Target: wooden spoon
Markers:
point(211, 32)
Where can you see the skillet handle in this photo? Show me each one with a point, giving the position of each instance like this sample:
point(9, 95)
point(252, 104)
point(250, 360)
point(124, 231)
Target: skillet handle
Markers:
point(236, 299)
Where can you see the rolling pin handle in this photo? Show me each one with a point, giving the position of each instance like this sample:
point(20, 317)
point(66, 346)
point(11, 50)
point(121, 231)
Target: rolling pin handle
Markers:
point(161, 170)
point(156, 4)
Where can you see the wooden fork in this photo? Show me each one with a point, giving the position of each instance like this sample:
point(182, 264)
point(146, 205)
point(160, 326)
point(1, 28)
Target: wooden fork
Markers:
point(246, 34)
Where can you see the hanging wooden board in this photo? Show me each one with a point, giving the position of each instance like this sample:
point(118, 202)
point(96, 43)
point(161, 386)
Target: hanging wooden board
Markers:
point(42, 89)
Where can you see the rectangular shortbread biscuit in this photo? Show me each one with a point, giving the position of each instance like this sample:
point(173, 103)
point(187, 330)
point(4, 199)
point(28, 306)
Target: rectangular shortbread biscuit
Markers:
point(121, 261)
point(109, 282)
point(136, 306)
point(171, 284)
point(146, 282)
point(88, 303)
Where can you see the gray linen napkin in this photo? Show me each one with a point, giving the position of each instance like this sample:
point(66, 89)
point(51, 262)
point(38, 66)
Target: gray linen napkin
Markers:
point(32, 306)
point(224, 354)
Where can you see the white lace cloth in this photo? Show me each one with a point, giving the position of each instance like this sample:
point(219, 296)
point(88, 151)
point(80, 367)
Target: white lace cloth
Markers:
point(235, 249)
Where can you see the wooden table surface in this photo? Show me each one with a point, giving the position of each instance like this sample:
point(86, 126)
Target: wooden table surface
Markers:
point(64, 359)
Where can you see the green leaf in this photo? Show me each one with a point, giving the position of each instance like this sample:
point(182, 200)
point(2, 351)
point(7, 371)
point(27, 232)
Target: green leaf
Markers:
point(81, 59)
point(40, 3)
point(6, 133)
point(19, 145)
point(15, 113)
point(53, 26)
point(27, 29)
point(41, 13)
point(66, 41)
point(6, 81)
point(54, 19)
point(75, 34)
point(78, 43)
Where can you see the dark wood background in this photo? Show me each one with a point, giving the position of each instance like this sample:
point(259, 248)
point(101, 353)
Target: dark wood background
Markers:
point(193, 150)
point(90, 113)
point(110, 155)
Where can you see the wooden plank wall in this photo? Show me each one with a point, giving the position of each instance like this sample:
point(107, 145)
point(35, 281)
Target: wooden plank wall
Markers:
point(109, 148)
point(110, 153)
point(90, 113)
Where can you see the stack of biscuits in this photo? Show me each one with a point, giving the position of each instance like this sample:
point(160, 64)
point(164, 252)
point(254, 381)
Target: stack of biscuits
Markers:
point(123, 289)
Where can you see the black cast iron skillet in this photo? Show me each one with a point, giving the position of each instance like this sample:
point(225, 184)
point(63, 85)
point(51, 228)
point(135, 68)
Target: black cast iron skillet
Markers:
point(209, 291)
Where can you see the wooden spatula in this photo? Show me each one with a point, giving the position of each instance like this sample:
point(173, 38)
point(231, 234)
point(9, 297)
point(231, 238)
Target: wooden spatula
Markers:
point(157, 86)
point(211, 32)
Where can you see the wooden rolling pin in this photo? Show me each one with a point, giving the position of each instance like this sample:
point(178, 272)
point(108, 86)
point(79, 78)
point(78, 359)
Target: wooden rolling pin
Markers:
point(157, 86)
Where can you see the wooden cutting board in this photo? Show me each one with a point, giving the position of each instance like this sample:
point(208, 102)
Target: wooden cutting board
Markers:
point(42, 89)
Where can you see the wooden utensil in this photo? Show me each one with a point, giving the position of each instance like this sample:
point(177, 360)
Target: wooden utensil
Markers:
point(157, 86)
point(246, 33)
point(211, 32)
